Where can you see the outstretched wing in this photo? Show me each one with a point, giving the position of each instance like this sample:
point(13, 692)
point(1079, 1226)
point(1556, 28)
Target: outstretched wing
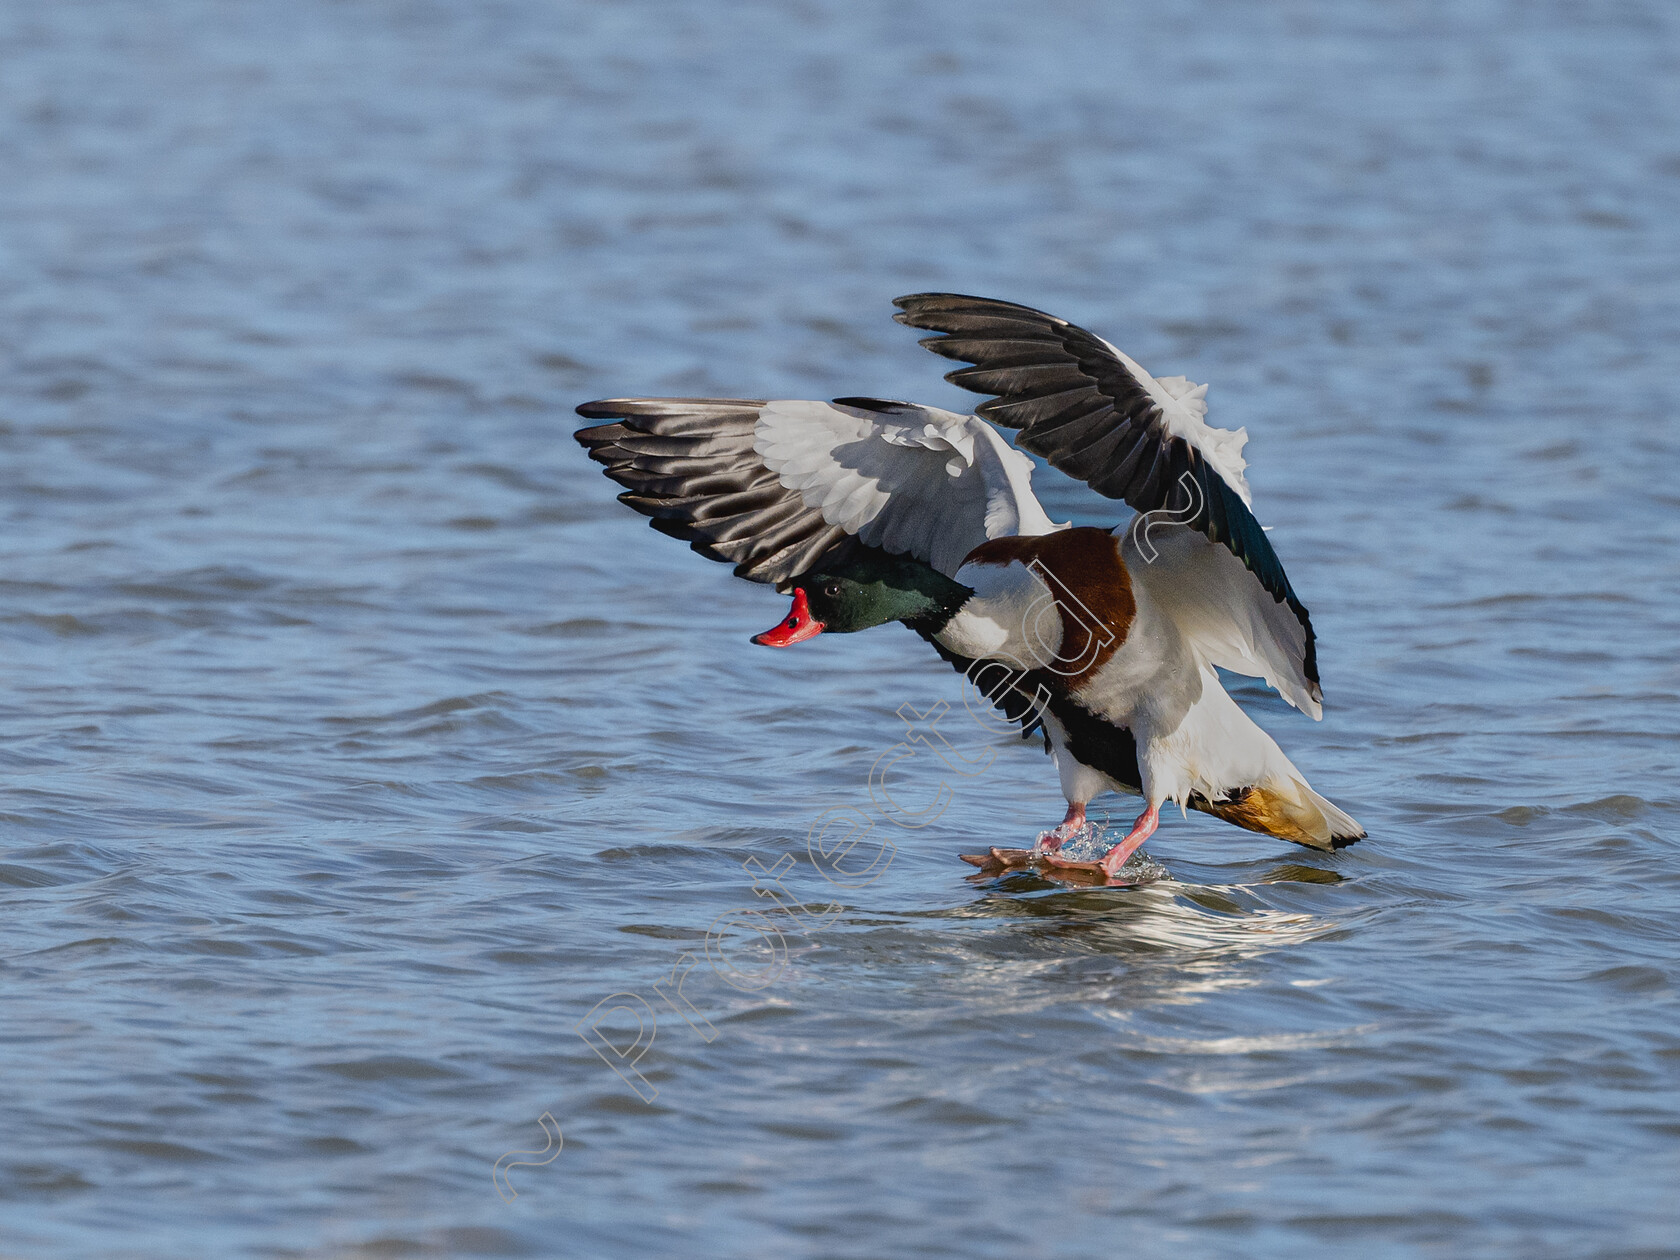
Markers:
point(1096, 415)
point(773, 487)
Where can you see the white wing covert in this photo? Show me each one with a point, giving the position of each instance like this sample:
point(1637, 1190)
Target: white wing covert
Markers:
point(909, 479)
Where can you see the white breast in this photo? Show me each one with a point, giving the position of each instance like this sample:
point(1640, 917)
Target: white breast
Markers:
point(1011, 617)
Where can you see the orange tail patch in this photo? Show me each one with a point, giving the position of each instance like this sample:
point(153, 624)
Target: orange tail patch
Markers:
point(1295, 817)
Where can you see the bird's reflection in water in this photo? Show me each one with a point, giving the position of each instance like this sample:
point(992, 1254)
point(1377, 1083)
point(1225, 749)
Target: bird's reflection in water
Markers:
point(1073, 915)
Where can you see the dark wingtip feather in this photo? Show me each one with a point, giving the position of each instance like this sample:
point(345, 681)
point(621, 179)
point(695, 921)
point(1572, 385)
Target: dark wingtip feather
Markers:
point(882, 406)
point(688, 465)
point(621, 408)
point(929, 300)
point(958, 301)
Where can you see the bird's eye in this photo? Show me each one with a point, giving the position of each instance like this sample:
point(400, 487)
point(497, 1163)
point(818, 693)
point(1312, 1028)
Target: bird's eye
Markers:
point(831, 589)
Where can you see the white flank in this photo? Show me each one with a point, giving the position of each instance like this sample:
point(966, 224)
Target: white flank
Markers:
point(1215, 749)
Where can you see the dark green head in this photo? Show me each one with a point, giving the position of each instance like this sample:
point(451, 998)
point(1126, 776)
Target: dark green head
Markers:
point(866, 588)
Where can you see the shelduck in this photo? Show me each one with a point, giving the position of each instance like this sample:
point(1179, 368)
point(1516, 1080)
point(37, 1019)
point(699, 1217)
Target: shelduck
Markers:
point(1106, 641)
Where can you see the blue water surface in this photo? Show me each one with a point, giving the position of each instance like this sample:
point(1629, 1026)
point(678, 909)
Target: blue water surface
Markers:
point(355, 744)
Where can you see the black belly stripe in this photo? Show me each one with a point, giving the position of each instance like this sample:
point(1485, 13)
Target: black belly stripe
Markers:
point(1101, 745)
point(1098, 743)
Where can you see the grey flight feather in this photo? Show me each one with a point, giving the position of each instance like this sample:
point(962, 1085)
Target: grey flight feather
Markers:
point(688, 463)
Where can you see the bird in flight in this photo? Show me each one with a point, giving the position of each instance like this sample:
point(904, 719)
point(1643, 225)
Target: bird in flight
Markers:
point(1106, 642)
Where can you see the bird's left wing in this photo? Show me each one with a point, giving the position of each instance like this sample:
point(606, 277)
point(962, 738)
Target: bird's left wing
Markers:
point(1095, 414)
point(774, 486)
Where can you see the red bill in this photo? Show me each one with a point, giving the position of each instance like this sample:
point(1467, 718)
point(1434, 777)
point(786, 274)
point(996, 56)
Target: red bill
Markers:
point(798, 627)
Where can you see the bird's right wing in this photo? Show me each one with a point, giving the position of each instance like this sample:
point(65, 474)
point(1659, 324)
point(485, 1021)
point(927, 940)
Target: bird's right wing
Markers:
point(773, 487)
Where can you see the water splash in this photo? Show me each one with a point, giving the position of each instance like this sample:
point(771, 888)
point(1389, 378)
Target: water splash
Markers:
point(1094, 839)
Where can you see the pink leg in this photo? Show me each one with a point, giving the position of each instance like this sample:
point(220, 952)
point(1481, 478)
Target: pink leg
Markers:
point(1072, 822)
point(1141, 830)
